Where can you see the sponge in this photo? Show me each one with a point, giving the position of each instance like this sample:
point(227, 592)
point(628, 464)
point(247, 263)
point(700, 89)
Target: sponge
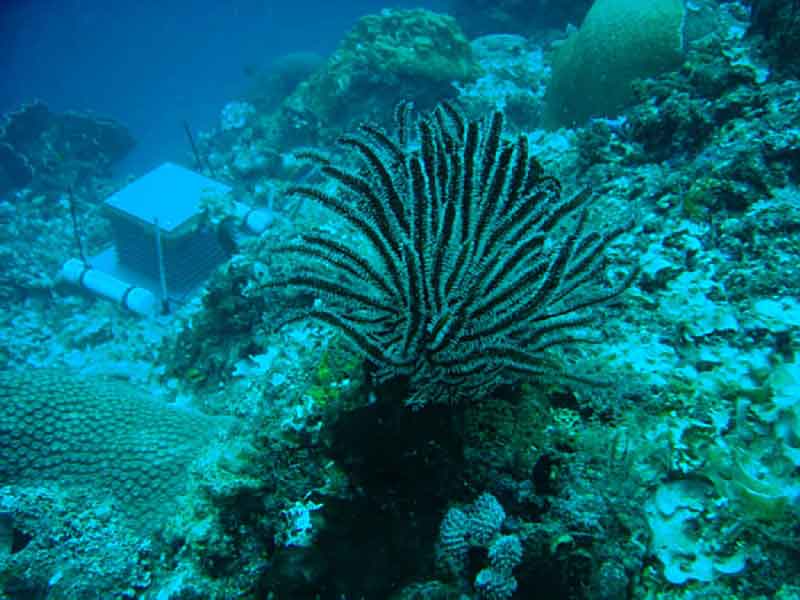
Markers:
point(100, 435)
point(618, 42)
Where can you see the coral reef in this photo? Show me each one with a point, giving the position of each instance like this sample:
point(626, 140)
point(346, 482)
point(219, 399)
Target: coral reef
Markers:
point(711, 276)
point(47, 158)
point(413, 54)
point(68, 546)
point(50, 150)
point(677, 481)
point(221, 333)
point(29, 270)
point(513, 79)
point(779, 24)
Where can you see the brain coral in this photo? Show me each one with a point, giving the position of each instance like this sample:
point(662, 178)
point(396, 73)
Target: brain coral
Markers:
point(618, 42)
point(101, 435)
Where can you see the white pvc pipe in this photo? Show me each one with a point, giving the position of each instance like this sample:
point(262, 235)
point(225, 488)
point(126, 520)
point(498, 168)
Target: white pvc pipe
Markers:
point(136, 299)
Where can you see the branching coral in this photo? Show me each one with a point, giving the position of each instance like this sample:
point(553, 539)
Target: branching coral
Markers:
point(473, 269)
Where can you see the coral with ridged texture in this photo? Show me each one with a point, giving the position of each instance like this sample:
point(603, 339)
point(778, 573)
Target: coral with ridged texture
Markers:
point(618, 42)
point(453, 546)
point(505, 553)
point(102, 436)
point(494, 585)
point(478, 526)
point(486, 517)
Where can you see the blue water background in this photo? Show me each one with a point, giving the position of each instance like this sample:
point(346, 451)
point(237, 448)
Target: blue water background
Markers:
point(153, 64)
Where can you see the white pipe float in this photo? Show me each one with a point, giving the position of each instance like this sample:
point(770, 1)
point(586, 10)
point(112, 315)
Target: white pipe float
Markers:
point(138, 299)
point(134, 298)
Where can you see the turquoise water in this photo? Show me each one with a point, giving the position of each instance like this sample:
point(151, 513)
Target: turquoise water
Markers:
point(353, 300)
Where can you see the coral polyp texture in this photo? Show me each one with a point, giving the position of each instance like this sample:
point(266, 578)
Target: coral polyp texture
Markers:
point(99, 435)
point(472, 268)
point(478, 526)
point(618, 42)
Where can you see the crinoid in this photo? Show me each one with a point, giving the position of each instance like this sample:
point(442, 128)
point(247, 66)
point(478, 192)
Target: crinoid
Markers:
point(466, 268)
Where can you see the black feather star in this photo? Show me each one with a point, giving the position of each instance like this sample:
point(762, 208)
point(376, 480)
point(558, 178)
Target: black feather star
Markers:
point(472, 268)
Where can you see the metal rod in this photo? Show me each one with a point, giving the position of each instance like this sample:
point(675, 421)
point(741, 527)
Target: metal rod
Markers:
point(76, 231)
point(198, 159)
point(162, 275)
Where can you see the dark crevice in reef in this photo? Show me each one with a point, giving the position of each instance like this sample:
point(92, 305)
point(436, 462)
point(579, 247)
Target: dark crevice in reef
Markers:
point(404, 467)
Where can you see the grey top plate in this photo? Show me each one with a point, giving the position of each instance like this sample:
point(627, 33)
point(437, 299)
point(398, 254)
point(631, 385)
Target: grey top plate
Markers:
point(170, 194)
